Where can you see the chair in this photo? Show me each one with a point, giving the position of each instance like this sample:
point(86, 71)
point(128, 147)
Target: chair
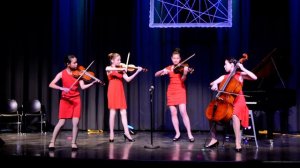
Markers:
point(246, 137)
point(34, 109)
point(10, 109)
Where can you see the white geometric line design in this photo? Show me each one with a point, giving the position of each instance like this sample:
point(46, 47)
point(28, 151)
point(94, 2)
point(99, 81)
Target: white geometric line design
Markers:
point(190, 13)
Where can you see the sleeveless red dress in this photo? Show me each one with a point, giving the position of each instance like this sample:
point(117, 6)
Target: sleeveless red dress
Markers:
point(115, 92)
point(69, 104)
point(240, 108)
point(176, 93)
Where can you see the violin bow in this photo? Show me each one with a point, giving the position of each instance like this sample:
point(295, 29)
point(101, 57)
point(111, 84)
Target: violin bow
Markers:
point(127, 61)
point(184, 61)
point(236, 94)
point(81, 74)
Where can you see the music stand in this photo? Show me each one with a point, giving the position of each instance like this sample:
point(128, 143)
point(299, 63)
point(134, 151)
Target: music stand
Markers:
point(151, 146)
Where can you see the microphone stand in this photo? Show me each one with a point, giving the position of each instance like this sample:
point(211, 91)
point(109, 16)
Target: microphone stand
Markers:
point(151, 120)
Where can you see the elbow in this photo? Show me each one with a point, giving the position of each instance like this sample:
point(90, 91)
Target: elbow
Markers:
point(158, 73)
point(254, 77)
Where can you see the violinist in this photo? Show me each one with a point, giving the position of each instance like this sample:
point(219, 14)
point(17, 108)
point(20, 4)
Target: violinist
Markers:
point(240, 115)
point(70, 104)
point(116, 94)
point(176, 95)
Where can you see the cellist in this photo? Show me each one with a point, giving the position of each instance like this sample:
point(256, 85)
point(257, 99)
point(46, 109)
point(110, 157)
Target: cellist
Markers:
point(240, 115)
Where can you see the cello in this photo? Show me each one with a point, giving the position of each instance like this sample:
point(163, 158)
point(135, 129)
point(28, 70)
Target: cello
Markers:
point(221, 108)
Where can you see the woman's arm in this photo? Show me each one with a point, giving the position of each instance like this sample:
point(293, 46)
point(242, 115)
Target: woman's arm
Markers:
point(109, 68)
point(214, 84)
point(53, 84)
point(246, 73)
point(129, 78)
point(185, 72)
point(85, 86)
point(161, 72)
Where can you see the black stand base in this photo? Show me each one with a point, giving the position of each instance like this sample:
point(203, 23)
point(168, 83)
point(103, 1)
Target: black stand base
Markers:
point(151, 147)
point(1, 142)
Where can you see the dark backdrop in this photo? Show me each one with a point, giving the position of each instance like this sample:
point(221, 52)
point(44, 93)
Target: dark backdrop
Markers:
point(36, 35)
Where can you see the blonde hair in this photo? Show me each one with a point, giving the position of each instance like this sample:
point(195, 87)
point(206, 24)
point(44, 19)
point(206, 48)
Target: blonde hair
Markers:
point(112, 56)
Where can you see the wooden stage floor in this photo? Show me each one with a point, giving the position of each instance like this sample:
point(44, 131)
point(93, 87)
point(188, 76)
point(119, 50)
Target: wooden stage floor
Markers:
point(27, 148)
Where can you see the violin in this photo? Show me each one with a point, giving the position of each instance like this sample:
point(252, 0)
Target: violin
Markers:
point(85, 75)
point(179, 69)
point(130, 67)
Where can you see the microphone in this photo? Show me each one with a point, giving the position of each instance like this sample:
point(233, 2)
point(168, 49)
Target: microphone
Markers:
point(151, 88)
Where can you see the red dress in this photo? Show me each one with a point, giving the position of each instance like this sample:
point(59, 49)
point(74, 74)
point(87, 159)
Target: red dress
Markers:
point(70, 104)
point(176, 93)
point(115, 92)
point(240, 108)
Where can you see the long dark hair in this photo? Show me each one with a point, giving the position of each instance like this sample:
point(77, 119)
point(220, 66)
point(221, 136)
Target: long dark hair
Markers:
point(68, 59)
point(234, 61)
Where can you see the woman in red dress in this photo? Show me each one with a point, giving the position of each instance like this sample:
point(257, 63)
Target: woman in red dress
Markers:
point(240, 110)
point(70, 104)
point(116, 94)
point(176, 95)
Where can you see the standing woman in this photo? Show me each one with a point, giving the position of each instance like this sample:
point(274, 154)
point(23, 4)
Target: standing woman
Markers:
point(240, 109)
point(116, 94)
point(70, 103)
point(176, 95)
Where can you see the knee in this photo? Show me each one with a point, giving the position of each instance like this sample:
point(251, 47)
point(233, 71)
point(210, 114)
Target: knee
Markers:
point(174, 114)
point(60, 124)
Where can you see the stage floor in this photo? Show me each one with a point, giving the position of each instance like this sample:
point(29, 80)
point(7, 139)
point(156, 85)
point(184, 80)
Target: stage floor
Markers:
point(18, 148)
